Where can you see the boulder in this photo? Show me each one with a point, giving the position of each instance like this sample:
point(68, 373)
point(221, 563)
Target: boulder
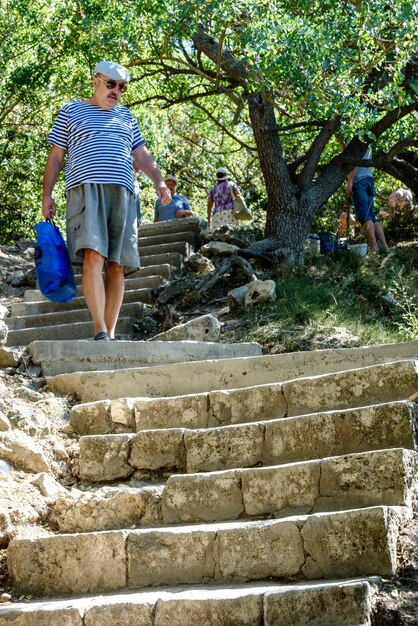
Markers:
point(260, 292)
point(218, 248)
point(400, 200)
point(203, 328)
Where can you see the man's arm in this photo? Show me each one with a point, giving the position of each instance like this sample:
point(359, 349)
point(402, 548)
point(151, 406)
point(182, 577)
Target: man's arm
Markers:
point(52, 170)
point(350, 179)
point(143, 160)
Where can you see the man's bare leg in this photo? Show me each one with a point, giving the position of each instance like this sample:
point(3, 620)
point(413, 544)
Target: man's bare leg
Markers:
point(369, 231)
point(380, 235)
point(114, 290)
point(94, 289)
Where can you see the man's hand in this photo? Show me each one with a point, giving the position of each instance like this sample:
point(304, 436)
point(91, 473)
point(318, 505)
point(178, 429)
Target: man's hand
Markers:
point(163, 193)
point(48, 207)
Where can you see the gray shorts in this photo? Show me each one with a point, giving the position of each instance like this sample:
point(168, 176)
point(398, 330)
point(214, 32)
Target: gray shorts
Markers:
point(103, 218)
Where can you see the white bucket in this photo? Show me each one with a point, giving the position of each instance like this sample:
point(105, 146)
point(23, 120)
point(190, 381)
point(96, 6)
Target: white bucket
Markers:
point(312, 245)
point(358, 248)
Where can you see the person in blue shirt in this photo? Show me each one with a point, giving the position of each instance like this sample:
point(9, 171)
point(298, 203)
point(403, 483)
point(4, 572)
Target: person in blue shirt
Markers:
point(178, 207)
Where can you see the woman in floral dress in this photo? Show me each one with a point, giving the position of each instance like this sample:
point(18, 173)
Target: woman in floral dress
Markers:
point(220, 203)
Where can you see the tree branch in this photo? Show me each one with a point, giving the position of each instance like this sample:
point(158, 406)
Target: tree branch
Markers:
point(313, 155)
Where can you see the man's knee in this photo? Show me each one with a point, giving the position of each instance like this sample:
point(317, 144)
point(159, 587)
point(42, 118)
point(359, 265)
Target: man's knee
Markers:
point(92, 259)
point(114, 269)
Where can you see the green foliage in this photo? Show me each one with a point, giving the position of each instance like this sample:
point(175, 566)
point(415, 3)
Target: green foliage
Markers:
point(373, 298)
point(314, 59)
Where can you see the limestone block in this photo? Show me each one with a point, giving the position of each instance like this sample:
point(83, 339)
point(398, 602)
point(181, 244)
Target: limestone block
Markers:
point(155, 449)
point(105, 457)
point(367, 385)
point(121, 413)
point(217, 608)
point(181, 555)
point(47, 485)
point(92, 418)
point(202, 497)
point(69, 564)
point(215, 248)
point(319, 605)
point(224, 447)
point(203, 328)
point(339, 432)
point(355, 542)
point(4, 422)
point(189, 411)
point(47, 616)
point(233, 406)
point(236, 297)
point(260, 292)
point(260, 550)
point(9, 357)
point(367, 479)
point(273, 489)
point(126, 612)
point(4, 331)
point(108, 508)
point(199, 264)
point(22, 451)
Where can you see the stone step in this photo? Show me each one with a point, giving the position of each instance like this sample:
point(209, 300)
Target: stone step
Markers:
point(359, 542)
point(382, 477)
point(76, 356)
point(60, 332)
point(141, 282)
point(164, 270)
point(187, 224)
point(325, 603)
point(130, 309)
point(328, 484)
point(367, 385)
point(261, 443)
point(174, 259)
point(182, 248)
point(38, 308)
point(167, 238)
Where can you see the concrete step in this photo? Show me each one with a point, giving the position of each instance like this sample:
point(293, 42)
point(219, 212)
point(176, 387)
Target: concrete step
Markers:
point(38, 308)
point(328, 545)
point(110, 507)
point(70, 331)
point(167, 238)
point(382, 477)
point(187, 224)
point(328, 484)
point(182, 248)
point(367, 385)
point(131, 309)
point(261, 443)
point(175, 259)
point(164, 270)
point(76, 356)
point(325, 603)
point(131, 282)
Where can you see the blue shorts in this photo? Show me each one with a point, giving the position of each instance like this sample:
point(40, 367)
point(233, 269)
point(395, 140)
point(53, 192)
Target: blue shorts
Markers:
point(363, 200)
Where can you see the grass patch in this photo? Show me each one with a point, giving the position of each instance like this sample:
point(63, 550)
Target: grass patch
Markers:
point(340, 300)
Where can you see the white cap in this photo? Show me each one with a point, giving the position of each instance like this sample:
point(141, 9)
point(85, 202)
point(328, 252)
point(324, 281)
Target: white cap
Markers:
point(221, 173)
point(112, 70)
point(171, 177)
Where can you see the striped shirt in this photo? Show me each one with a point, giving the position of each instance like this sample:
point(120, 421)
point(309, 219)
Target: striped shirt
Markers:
point(99, 144)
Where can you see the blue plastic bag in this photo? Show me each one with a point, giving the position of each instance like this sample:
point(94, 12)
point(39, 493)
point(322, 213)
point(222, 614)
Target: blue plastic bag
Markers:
point(55, 273)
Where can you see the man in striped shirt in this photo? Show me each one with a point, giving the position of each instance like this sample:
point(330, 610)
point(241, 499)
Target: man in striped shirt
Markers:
point(101, 144)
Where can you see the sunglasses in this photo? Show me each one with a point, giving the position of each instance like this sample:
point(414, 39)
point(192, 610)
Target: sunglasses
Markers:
point(111, 84)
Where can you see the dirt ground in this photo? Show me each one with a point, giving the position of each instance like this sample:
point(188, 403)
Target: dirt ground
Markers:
point(32, 408)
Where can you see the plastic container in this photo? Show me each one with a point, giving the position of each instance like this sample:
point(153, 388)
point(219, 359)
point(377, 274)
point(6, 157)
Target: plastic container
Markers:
point(358, 248)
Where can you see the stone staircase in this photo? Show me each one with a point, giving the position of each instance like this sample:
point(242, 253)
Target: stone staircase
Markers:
point(234, 490)
point(162, 249)
point(270, 491)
